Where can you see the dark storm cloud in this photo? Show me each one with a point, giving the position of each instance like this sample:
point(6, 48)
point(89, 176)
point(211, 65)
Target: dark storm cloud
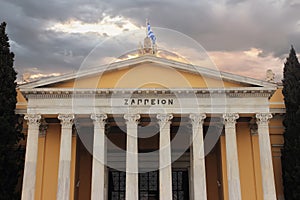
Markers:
point(231, 25)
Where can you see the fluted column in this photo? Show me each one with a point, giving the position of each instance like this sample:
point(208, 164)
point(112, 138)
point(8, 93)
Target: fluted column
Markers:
point(198, 158)
point(132, 168)
point(267, 172)
point(98, 189)
point(165, 164)
point(64, 170)
point(233, 174)
point(28, 190)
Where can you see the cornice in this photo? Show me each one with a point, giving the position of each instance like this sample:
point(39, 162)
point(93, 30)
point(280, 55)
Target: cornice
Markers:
point(182, 92)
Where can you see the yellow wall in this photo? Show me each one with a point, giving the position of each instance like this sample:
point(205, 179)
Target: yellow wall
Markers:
point(256, 164)
point(50, 169)
point(21, 101)
point(224, 167)
point(249, 164)
point(145, 76)
point(47, 164)
point(212, 174)
point(276, 100)
point(245, 156)
point(276, 136)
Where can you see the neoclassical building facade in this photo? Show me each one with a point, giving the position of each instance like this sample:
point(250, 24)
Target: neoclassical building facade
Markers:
point(152, 128)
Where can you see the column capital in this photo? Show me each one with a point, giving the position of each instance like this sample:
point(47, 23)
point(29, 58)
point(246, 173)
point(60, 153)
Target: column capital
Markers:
point(197, 118)
point(132, 118)
point(66, 120)
point(33, 119)
point(263, 118)
point(164, 119)
point(229, 119)
point(99, 119)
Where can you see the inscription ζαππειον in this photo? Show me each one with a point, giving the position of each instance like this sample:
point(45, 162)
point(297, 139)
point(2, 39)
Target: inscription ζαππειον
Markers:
point(147, 102)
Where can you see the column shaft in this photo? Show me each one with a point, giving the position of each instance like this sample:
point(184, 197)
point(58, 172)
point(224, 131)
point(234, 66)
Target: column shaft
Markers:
point(165, 163)
point(233, 174)
point(267, 172)
point(198, 158)
point(64, 170)
point(132, 168)
point(29, 178)
point(98, 190)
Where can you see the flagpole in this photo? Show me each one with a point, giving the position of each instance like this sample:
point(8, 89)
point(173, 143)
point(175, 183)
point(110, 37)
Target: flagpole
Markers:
point(147, 21)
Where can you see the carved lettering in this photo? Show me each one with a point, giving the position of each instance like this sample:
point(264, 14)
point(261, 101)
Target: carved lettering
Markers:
point(148, 102)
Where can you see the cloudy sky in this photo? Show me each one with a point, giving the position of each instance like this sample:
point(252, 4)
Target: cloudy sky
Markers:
point(245, 37)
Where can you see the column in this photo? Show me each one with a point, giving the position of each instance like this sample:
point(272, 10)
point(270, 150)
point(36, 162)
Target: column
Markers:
point(40, 159)
point(233, 174)
point(28, 190)
point(98, 189)
point(165, 163)
point(262, 120)
point(132, 168)
point(198, 158)
point(64, 170)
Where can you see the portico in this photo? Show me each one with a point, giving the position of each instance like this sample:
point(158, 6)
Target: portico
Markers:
point(115, 118)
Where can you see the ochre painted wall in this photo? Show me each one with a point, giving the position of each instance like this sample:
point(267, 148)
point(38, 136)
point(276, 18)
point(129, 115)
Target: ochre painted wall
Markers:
point(256, 164)
point(212, 175)
point(249, 165)
point(245, 156)
point(224, 167)
point(276, 136)
point(47, 166)
point(276, 100)
point(146, 76)
point(50, 169)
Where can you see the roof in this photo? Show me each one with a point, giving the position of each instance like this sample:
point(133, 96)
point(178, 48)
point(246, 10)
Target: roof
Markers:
point(151, 59)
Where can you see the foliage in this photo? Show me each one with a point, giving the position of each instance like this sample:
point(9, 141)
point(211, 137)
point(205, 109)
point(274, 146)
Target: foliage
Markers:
point(10, 128)
point(291, 150)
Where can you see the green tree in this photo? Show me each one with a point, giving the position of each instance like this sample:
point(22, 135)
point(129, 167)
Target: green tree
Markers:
point(291, 122)
point(10, 131)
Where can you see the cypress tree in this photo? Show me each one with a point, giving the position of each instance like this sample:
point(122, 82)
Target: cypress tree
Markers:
point(10, 132)
point(291, 122)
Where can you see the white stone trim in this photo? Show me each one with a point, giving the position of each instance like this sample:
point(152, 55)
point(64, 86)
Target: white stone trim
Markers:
point(268, 182)
point(232, 162)
point(29, 177)
point(64, 170)
point(132, 159)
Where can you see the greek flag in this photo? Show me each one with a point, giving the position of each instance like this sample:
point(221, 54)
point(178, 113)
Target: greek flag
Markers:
point(150, 33)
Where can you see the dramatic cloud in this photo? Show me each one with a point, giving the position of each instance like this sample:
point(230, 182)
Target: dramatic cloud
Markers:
point(56, 36)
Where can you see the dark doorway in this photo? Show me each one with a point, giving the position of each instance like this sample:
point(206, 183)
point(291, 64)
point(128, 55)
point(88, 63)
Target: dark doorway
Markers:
point(180, 185)
point(149, 185)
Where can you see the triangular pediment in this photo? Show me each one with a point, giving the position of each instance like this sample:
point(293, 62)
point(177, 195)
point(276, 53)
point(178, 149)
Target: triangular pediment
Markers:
point(148, 71)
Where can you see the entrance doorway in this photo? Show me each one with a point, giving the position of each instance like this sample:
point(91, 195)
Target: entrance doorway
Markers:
point(148, 185)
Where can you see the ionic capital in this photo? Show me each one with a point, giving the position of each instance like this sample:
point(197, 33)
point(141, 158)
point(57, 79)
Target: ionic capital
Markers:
point(99, 119)
point(229, 119)
point(33, 120)
point(66, 120)
point(197, 119)
point(263, 118)
point(164, 119)
point(132, 118)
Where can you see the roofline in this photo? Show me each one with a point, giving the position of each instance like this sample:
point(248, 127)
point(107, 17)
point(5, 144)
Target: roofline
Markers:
point(149, 58)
